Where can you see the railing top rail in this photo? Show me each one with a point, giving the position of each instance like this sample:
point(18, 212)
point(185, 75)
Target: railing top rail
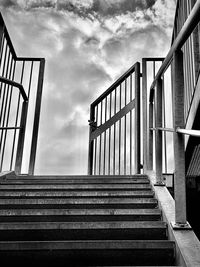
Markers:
point(30, 58)
point(8, 37)
point(15, 84)
point(185, 32)
point(153, 59)
point(114, 85)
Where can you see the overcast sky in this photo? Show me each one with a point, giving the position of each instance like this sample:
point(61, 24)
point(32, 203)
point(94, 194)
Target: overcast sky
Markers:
point(87, 45)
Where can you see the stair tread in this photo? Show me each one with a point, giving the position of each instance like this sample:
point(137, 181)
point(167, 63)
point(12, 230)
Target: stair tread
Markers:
point(18, 212)
point(75, 186)
point(50, 201)
point(75, 193)
point(78, 181)
point(83, 225)
point(79, 176)
point(83, 245)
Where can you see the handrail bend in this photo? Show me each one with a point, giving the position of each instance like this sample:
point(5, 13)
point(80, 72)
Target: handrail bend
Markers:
point(15, 84)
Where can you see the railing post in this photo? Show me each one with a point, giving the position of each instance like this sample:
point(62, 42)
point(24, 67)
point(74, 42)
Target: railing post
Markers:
point(20, 145)
point(179, 145)
point(150, 137)
point(158, 134)
point(144, 106)
point(91, 142)
point(137, 118)
point(37, 117)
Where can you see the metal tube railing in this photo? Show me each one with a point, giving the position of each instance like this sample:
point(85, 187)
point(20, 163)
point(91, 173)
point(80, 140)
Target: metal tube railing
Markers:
point(175, 56)
point(114, 151)
point(17, 72)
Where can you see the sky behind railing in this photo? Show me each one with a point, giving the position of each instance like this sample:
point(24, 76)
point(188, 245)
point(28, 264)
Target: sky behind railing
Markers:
point(87, 45)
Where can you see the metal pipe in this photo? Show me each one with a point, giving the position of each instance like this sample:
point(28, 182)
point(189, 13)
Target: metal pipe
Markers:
point(158, 135)
point(179, 145)
point(104, 159)
point(188, 132)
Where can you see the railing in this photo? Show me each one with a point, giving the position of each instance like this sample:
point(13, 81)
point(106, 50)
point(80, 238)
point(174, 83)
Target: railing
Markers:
point(190, 48)
point(19, 109)
point(113, 125)
point(176, 61)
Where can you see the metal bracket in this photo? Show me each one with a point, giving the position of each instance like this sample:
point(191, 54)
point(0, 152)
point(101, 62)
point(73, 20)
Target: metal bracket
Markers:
point(93, 125)
point(181, 226)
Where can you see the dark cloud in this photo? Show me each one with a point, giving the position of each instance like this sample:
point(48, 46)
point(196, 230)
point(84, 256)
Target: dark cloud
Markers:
point(41, 4)
point(110, 8)
point(8, 3)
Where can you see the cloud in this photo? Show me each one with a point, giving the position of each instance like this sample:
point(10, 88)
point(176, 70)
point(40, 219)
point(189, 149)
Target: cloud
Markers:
point(87, 45)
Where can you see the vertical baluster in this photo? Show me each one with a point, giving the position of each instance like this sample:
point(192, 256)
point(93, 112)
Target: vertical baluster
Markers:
point(130, 126)
point(164, 124)
point(109, 159)
point(104, 157)
point(154, 70)
point(100, 140)
point(115, 107)
point(125, 129)
point(95, 166)
point(120, 107)
point(16, 118)
point(30, 79)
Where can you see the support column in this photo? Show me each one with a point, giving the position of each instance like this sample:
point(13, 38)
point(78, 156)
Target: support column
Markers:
point(91, 142)
point(179, 145)
point(137, 118)
point(144, 112)
point(150, 139)
point(158, 139)
point(36, 117)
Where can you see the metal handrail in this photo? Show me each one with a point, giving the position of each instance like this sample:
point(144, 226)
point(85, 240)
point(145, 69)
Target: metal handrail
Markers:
point(15, 84)
point(188, 132)
point(114, 85)
point(178, 130)
point(183, 35)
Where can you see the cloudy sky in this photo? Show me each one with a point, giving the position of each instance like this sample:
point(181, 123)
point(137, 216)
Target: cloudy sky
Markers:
point(87, 45)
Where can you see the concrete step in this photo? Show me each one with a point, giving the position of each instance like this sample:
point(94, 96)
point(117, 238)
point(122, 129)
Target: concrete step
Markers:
point(76, 194)
point(77, 181)
point(75, 187)
point(76, 177)
point(52, 203)
point(75, 215)
point(87, 253)
point(83, 230)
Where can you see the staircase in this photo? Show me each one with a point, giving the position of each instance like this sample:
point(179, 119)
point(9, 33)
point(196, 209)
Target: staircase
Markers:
point(82, 221)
